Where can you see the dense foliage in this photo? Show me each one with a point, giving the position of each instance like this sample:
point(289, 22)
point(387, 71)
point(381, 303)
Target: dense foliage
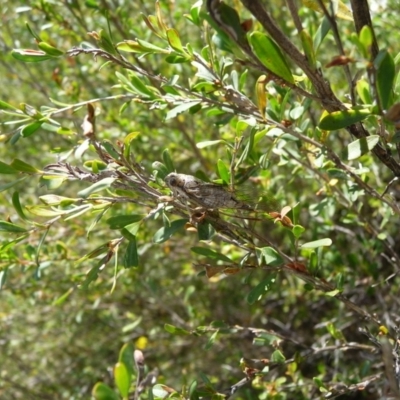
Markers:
point(115, 287)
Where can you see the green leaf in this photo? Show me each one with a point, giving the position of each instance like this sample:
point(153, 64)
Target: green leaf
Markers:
point(211, 340)
point(50, 50)
point(6, 106)
point(366, 38)
point(105, 42)
point(385, 74)
point(278, 357)
point(30, 129)
point(362, 87)
point(96, 187)
point(207, 143)
point(121, 221)
point(317, 243)
point(174, 40)
point(181, 108)
point(63, 298)
point(131, 230)
point(341, 119)
point(33, 33)
point(166, 232)
point(9, 227)
point(18, 207)
point(271, 257)
point(168, 161)
point(175, 330)
point(361, 146)
point(334, 332)
point(321, 33)
point(298, 230)
point(28, 55)
point(122, 379)
point(7, 186)
point(7, 169)
point(131, 258)
point(126, 356)
point(270, 55)
point(257, 292)
point(212, 254)
point(205, 231)
point(159, 392)
point(223, 172)
point(308, 48)
point(101, 391)
point(24, 167)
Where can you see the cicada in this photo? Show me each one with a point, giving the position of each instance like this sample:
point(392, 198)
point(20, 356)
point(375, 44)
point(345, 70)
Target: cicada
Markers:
point(205, 194)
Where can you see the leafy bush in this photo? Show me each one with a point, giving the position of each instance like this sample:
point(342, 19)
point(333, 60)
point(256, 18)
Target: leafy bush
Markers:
point(290, 112)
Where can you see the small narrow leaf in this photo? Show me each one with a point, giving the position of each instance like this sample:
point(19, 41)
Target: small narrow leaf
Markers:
point(308, 48)
point(131, 258)
point(261, 94)
point(23, 166)
point(30, 129)
point(174, 40)
point(120, 221)
point(317, 243)
point(341, 119)
point(28, 55)
point(9, 185)
point(278, 357)
point(126, 355)
point(207, 143)
point(168, 161)
point(214, 255)
point(50, 50)
point(181, 108)
point(271, 256)
point(6, 106)
point(257, 292)
point(7, 169)
point(17, 206)
point(101, 391)
point(361, 146)
point(366, 39)
point(270, 55)
point(385, 74)
point(175, 330)
point(9, 227)
point(166, 232)
point(96, 187)
point(122, 379)
point(223, 172)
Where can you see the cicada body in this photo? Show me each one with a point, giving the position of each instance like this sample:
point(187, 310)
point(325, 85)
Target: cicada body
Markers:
point(204, 194)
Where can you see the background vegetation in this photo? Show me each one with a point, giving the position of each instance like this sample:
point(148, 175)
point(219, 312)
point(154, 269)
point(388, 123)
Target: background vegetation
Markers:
point(100, 100)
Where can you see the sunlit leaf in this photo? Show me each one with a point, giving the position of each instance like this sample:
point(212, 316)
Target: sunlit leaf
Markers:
point(341, 119)
point(27, 55)
point(97, 187)
point(175, 330)
point(181, 108)
point(101, 391)
point(361, 146)
point(122, 378)
point(317, 243)
point(12, 228)
point(270, 55)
